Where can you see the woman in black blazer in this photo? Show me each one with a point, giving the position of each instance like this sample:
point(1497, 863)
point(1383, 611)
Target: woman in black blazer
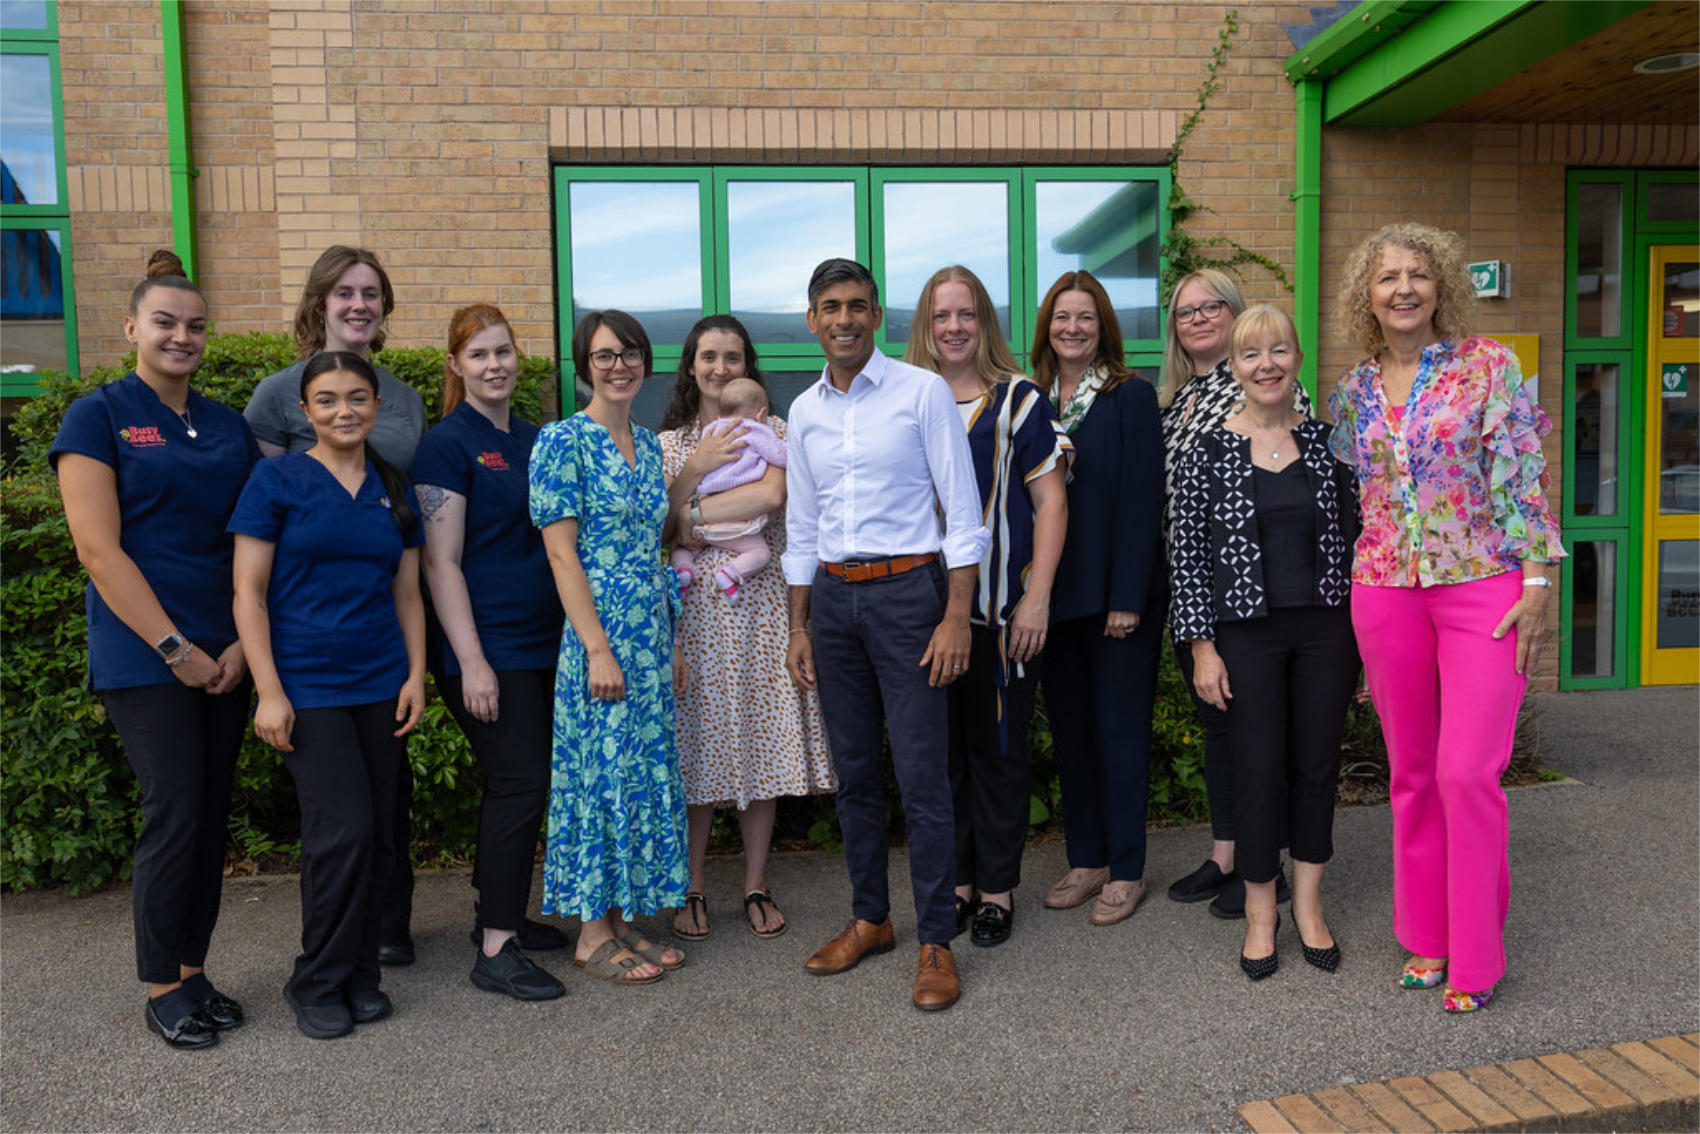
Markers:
point(1264, 521)
point(1100, 672)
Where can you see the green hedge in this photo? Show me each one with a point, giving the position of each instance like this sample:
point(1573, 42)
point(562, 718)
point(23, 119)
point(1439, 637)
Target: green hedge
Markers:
point(69, 807)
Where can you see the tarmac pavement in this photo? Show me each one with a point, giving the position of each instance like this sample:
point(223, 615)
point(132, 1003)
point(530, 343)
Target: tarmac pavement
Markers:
point(1148, 1025)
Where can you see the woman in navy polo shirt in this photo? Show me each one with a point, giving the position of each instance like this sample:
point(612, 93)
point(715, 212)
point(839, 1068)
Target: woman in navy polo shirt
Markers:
point(490, 585)
point(149, 471)
point(331, 618)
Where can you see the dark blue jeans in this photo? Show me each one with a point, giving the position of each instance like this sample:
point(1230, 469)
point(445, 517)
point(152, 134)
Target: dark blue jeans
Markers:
point(868, 641)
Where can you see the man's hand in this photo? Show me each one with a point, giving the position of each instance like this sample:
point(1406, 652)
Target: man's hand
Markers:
point(800, 660)
point(947, 651)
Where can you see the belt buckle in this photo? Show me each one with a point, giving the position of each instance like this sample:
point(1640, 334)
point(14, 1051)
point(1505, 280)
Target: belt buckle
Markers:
point(850, 565)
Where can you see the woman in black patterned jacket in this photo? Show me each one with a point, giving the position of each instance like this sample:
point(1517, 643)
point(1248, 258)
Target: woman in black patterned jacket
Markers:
point(1264, 520)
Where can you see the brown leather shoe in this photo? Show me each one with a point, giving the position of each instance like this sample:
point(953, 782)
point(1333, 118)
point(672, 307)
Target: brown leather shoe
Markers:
point(936, 986)
point(845, 951)
point(1117, 902)
point(1073, 888)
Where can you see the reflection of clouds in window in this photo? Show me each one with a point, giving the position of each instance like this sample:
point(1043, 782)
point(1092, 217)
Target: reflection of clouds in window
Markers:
point(777, 231)
point(1129, 274)
point(928, 227)
point(23, 15)
point(26, 126)
point(636, 245)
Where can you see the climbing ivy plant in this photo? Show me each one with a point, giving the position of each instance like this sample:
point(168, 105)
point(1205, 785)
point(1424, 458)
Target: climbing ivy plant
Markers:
point(1183, 252)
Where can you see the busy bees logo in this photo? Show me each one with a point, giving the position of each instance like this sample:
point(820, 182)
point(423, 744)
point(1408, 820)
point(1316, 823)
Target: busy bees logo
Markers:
point(493, 461)
point(141, 436)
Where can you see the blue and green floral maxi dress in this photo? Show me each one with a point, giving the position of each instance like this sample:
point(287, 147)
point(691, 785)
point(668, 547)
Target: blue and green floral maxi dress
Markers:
point(616, 802)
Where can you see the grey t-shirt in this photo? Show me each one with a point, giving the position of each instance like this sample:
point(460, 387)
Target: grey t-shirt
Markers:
point(274, 414)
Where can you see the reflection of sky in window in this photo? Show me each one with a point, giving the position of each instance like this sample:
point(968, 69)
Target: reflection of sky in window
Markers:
point(777, 231)
point(928, 227)
point(1063, 204)
point(23, 15)
point(26, 126)
point(636, 245)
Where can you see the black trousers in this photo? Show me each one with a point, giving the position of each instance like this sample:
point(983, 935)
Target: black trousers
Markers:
point(345, 765)
point(182, 745)
point(395, 885)
point(990, 781)
point(868, 642)
point(1218, 760)
point(514, 753)
point(1292, 674)
point(1100, 692)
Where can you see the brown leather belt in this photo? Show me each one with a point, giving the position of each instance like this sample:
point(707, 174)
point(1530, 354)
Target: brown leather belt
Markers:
point(865, 570)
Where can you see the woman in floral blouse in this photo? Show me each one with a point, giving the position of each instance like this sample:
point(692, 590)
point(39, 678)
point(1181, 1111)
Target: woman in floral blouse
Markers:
point(1449, 586)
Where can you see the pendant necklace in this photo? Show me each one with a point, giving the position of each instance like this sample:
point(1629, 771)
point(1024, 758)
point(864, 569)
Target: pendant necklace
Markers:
point(188, 422)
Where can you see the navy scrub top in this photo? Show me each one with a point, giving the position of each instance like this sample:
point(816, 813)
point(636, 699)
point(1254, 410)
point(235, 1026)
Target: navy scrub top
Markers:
point(514, 604)
point(175, 495)
point(335, 636)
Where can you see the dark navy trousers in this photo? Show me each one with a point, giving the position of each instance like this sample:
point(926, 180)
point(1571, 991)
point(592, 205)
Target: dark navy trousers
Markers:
point(868, 641)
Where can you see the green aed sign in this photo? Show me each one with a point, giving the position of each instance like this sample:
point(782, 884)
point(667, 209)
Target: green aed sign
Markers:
point(1673, 380)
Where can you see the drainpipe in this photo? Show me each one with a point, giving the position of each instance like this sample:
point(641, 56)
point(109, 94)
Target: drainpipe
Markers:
point(182, 156)
point(1307, 225)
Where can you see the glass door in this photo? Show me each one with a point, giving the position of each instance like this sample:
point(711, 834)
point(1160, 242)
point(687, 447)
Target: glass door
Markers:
point(1670, 640)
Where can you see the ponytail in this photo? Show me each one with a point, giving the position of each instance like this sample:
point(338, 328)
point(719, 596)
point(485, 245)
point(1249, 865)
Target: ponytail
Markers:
point(395, 487)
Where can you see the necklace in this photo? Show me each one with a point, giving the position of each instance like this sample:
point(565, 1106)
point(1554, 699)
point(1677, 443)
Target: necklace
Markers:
point(188, 422)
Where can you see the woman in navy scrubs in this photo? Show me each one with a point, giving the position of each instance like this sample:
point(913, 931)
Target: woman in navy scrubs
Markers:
point(331, 618)
point(149, 471)
point(490, 585)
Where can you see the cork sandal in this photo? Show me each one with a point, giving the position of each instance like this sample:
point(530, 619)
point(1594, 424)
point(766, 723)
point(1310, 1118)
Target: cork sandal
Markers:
point(616, 964)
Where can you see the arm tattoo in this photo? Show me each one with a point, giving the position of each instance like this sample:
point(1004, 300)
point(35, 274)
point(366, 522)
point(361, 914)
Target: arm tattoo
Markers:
point(431, 501)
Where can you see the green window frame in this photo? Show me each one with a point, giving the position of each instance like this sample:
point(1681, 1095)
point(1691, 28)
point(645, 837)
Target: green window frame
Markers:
point(714, 183)
point(52, 217)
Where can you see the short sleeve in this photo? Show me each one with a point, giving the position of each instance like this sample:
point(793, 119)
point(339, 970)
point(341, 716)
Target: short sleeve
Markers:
point(1516, 469)
point(87, 431)
point(261, 507)
point(435, 463)
point(265, 411)
point(555, 481)
point(1039, 441)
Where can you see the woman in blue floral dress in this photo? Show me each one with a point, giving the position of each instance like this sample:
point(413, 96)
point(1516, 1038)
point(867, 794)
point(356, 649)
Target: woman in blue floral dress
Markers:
point(616, 842)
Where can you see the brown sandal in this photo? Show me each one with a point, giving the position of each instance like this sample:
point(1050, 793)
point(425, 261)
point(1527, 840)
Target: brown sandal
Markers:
point(649, 950)
point(614, 963)
point(762, 900)
point(694, 902)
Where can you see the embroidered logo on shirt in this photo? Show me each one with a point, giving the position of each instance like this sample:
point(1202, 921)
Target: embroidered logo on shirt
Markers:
point(493, 461)
point(142, 436)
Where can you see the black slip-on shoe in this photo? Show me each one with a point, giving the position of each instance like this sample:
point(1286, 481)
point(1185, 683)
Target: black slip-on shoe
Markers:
point(514, 974)
point(1205, 882)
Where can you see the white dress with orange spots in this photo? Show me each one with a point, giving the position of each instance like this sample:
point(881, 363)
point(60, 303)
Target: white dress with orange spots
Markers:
point(746, 732)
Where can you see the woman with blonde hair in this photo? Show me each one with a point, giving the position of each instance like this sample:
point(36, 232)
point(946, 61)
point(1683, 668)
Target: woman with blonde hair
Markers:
point(1449, 586)
point(1020, 465)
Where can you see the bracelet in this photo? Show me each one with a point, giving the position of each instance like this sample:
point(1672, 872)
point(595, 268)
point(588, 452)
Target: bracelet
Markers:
point(696, 511)
point(174, 662)
point(1538, 581)
point(799, 631)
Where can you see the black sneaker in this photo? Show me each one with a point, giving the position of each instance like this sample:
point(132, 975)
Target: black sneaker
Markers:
point(510, 971)
point(1205, 882)
point(1230, 903)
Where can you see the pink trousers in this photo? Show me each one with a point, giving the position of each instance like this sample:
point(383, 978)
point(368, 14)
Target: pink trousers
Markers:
point(1448, 696)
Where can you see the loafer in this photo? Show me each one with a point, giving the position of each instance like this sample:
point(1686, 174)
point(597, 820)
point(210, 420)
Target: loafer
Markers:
point(936, 984)
point(396, 953)
point(1117, 902)
point(844, 952)
point(1230, 903)
point(173, 1018)
point(1075, 887)
point(514, 974)
point(1205, 882)
point(217, 1010)
point(370, 1005)
point(320, 1021)
point(992, 924)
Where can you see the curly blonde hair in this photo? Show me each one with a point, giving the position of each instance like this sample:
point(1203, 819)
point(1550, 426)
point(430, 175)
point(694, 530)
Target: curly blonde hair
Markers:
point(1455, 296)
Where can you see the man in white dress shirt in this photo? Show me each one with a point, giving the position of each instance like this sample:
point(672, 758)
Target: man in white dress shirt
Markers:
point(877, 454)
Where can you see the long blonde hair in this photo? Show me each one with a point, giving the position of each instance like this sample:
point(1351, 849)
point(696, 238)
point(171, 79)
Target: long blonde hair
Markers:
point(1178, 367)
point(993, 361)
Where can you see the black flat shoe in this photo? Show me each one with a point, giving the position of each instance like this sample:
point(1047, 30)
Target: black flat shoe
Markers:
point(1263, 967)
point(217, 1010)
point(369, 1006)
point(1205, 882)
point(186, 1030)
point(396, 953)
point(964, 912)
point(514, 974)
point(992, 924)
point(320, 1021)
point(1230, 903)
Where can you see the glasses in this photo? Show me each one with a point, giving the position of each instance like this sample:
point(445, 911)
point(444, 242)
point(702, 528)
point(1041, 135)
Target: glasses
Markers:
point(604, 359)
point(1209, 309)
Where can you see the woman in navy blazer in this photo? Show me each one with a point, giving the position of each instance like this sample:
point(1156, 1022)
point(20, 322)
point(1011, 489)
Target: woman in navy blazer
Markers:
point(1100, 673)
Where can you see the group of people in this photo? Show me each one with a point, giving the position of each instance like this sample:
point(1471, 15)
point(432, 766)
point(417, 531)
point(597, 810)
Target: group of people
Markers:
point(892, 573)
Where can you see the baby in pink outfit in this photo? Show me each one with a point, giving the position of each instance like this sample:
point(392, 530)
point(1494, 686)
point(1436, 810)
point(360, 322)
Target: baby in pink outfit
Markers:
point(742, 403)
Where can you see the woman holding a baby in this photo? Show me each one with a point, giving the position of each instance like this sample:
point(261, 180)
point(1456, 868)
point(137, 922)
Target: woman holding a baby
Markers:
point(747, 734)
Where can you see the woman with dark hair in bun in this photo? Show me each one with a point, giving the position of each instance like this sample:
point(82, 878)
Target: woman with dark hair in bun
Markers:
point(149, 471)
point(331, 618)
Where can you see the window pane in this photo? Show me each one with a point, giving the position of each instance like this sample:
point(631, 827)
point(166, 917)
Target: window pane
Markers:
point(776, 232)
point(637, 246)
point(784, 386)
point(1679, 594)
point(32, 302)
point(1599, 261)
point(23, 15)
point(27, 151)
point(1593, 614)
point(1594, 439)
point(929, 226)
point(1682, 301)
point(1673, 201)
point(1110, 229)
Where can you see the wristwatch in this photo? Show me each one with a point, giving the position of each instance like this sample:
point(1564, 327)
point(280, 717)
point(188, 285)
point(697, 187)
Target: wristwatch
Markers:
point(167, 646)
point(696, 510)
